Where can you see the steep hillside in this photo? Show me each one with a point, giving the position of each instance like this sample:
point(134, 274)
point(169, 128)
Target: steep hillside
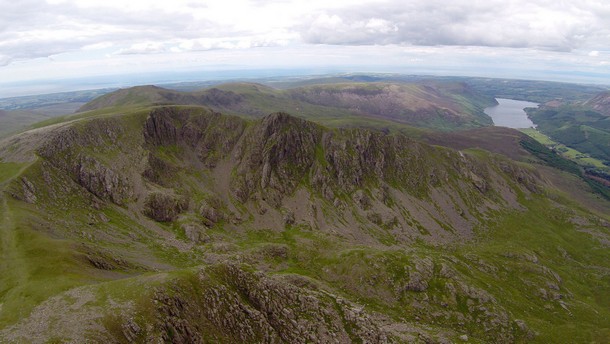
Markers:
point(434, 105)
point(180, 224)
point(431, 105)
point(521, 147)
point(500, 140)
point(600, 103)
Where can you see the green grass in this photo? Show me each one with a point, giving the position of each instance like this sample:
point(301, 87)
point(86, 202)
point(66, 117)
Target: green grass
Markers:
point(550, 157)
point(34, 263)
point(544, 231)
point(33, 266)
point(540, 137)
point(9, 170)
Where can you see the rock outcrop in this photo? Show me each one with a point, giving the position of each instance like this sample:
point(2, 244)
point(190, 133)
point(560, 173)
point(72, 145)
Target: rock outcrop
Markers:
point(225, 303)
point(81, 152)
point(164, 207)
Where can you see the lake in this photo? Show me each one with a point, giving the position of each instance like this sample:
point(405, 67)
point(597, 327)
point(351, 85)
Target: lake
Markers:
point(509, 113)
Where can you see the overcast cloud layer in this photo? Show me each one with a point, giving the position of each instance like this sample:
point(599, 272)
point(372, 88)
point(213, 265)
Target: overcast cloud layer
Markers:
point(106, 33)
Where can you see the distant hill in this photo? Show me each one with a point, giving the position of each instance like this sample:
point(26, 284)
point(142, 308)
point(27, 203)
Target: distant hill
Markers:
point(138, 95)
point(438, 105)
point(21, 112)
point(14, 120)
point(531, 90)
point(429, 105)
point(534, 90)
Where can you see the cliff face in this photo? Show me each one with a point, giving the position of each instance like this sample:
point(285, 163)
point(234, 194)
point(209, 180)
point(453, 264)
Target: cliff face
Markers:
point(282, 171)
point(80, 152)
point(279, 230)
point(282, 163)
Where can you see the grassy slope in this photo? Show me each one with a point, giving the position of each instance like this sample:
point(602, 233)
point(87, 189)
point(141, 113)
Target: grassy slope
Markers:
point(34, 266)
point(37, 261)
point(545, 232)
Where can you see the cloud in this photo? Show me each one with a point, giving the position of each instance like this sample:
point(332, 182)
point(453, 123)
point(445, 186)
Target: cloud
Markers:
point(4, 60)
point(143, 48)
point(200, 44)
point(333, 29)
point(541, 24)
point(145, 30)
point(33, 28)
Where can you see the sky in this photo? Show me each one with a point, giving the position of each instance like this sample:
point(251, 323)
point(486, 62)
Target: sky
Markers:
point(45, 41)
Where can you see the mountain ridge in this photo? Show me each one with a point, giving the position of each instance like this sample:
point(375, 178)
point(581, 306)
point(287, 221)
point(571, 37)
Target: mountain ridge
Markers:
point(439, 105)
point(352, 234)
